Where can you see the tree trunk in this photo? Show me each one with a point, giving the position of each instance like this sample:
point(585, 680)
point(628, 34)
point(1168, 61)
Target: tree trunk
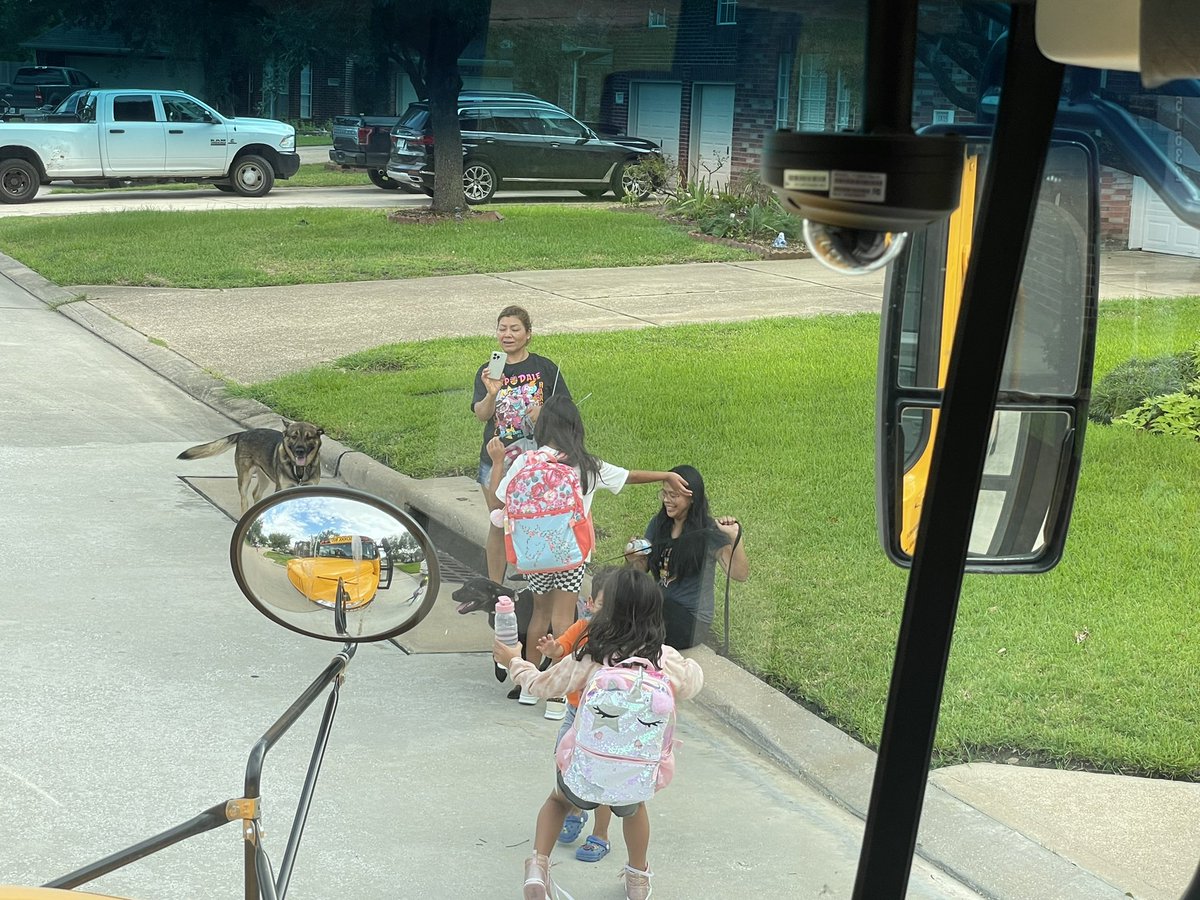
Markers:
point(444, 83)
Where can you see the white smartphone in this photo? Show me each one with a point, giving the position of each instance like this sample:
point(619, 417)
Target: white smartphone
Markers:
point(495, 366)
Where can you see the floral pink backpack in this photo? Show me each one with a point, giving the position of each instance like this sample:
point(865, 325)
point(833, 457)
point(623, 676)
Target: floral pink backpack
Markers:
point(547, 527)
point(620, 749)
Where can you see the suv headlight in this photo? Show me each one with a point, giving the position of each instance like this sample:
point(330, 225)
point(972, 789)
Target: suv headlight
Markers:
point(288, 142)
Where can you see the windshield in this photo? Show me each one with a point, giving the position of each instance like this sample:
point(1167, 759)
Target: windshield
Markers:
point(345, 549)
point(440, 304)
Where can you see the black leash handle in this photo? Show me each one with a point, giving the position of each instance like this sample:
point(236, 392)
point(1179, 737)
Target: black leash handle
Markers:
point(728, 574)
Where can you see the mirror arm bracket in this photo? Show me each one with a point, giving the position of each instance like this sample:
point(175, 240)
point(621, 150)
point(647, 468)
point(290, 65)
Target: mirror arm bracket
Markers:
point(242, 808)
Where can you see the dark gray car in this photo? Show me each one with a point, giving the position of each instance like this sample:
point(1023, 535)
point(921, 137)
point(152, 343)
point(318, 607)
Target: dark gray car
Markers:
point(520, 145)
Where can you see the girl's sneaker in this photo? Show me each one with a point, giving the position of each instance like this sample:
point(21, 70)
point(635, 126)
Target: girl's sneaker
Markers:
point(527, 699)
point(637, 883)
point(538, 884)
point(556, 708)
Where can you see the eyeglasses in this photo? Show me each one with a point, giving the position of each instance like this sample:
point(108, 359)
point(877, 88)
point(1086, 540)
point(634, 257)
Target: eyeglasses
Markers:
point(669, 495)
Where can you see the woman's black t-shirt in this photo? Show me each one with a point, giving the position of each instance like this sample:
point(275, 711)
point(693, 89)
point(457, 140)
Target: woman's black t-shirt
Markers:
point(523, 386)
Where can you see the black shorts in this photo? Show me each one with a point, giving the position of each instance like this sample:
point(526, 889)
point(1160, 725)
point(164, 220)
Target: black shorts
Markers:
point(619, 811)
point(684, 630)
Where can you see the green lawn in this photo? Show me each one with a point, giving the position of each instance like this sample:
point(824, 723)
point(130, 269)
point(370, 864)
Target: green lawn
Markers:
point(247, 248)
point(1101, 657)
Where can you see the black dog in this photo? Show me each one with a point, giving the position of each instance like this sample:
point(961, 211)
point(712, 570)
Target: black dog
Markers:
point(480, 595)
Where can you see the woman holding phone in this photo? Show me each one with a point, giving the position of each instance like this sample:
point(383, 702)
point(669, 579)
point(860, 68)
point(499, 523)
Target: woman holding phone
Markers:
point(507, 399)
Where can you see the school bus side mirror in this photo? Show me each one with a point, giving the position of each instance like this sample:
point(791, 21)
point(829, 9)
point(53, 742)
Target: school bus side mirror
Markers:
point(1028, 487)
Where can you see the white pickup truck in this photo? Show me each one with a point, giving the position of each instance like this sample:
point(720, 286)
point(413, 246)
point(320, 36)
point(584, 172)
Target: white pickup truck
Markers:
point(117, 137)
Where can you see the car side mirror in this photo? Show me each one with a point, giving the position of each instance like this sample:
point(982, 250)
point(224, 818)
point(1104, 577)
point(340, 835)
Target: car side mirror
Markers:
point(1028, 486)
point(208, 117)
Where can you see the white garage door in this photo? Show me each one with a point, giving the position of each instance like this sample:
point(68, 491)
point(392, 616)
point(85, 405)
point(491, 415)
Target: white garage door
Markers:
point(655, 116)
point(712, 129)
point(1154, 227)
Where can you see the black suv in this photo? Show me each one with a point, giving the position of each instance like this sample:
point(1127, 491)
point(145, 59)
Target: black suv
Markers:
point(519, 144)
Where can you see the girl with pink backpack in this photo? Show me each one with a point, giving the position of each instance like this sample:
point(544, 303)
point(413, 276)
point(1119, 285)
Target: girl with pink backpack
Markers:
point(558, 433)
point(630, 682)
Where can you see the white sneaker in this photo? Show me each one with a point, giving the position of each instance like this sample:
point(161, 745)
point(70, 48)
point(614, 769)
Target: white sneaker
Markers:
point(556, 708)
point(527, 699)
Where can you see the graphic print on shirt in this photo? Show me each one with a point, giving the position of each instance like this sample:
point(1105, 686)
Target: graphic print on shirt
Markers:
point(664, 568)
point(518, 395)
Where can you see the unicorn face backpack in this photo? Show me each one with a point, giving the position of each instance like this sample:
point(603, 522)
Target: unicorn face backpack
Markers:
point(547, 527)
point(620, 749)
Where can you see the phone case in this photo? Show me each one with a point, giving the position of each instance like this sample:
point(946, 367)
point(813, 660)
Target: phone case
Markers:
point(495, 366)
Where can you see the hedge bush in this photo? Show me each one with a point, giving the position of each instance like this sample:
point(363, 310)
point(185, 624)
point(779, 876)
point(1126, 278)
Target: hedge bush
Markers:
point(1137, 380)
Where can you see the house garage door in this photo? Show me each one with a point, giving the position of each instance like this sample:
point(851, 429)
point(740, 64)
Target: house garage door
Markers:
point(1154, 227)
point(712, 134)
point(656, 114)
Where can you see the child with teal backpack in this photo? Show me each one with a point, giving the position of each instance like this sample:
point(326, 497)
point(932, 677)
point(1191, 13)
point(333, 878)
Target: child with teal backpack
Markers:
point(625, 672)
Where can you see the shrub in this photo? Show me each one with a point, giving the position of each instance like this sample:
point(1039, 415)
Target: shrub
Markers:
point(1177, 413)
point(747, 210)
point(1137, 380)
point(656, 171)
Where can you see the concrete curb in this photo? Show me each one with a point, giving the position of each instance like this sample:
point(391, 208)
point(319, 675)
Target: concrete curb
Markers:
point(964, 841)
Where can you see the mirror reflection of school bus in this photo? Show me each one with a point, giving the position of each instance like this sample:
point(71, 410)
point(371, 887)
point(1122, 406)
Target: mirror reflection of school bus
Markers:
point(362, 566)
point(1034, 438)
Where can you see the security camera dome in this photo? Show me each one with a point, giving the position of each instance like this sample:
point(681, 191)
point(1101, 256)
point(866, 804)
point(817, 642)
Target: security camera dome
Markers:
point(852, 251)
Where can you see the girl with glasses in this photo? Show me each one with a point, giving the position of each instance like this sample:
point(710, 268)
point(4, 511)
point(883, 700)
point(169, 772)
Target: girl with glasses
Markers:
point(686, 545)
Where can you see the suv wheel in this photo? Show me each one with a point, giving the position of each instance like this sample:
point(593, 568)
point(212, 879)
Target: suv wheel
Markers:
point(479, 182)
point(625, 182)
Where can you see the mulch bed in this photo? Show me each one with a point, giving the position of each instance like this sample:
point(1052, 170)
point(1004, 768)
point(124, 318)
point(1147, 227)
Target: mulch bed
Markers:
point(423, 215)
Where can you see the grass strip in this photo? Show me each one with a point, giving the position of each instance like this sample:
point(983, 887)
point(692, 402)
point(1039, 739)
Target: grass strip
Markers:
point(252, 248)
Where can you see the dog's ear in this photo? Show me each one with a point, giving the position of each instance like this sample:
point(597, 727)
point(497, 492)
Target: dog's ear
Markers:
point(320, 431)
point(285, 422)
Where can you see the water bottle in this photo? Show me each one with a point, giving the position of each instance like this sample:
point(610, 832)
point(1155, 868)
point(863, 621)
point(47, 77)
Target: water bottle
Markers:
point(506, 622)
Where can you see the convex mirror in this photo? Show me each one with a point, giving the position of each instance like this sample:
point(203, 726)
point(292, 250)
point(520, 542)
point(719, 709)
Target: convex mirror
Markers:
point(1032, 463)
point(335, 564)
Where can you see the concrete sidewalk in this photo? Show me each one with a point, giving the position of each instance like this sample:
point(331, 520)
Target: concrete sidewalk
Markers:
point(1006, 831)
point(237, 333)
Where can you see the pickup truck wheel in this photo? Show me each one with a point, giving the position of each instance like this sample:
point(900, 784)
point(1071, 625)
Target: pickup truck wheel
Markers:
point(18, 181)
point(252, 176)
point(380, 180)
point(479, 182)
